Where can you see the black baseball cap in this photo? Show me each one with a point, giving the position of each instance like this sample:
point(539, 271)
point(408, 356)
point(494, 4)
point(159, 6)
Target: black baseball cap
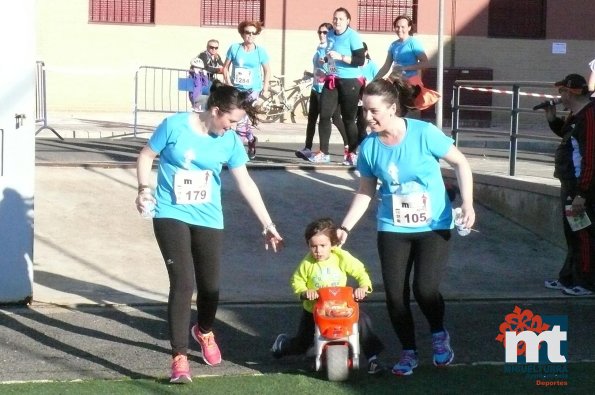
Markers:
point(575, 83)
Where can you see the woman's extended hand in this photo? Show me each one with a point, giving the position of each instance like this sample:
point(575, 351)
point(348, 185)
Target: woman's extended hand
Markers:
point(272, 237)
point(342, 236)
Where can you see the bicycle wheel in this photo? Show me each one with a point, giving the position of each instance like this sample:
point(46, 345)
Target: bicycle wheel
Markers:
point(269, 111)
point(300, 108)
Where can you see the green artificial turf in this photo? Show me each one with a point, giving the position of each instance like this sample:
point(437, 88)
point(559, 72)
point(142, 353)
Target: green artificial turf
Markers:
point(464, 379)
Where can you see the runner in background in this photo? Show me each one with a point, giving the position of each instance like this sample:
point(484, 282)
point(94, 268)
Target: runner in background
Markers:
point(320, 71)
point(250, 72)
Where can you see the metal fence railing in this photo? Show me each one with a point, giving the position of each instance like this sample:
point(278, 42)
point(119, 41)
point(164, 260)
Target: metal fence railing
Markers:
point(160, 90)
point(515, 109)
point(41, 113)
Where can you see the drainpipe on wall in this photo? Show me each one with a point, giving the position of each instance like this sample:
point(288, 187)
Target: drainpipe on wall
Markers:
point(453, 32)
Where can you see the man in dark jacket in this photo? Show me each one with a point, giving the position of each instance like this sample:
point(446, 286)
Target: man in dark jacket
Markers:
point(212, 59)
point(575, 168)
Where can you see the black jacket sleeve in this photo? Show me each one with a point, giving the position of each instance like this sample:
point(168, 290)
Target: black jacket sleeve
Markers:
point(358, 57)
point(556, 125)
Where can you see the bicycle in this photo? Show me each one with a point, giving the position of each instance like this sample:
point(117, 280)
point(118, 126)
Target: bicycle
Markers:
point(281, 100)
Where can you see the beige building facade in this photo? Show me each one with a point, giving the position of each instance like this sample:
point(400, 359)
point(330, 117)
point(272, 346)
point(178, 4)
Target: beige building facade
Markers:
point(91, 66)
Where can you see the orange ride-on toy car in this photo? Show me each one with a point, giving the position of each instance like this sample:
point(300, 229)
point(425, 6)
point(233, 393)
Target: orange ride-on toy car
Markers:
point(336, 337)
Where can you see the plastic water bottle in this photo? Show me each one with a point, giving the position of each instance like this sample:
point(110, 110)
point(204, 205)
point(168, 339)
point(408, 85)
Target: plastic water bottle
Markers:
point(148, 209)
point(458, 216)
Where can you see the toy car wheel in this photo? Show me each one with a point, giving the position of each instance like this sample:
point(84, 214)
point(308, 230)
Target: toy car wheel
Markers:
point(337, 362)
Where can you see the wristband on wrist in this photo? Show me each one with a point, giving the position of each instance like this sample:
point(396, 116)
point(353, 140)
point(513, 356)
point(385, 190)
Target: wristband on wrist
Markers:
point(268, 228)
point(142, 187)
point(344, 229)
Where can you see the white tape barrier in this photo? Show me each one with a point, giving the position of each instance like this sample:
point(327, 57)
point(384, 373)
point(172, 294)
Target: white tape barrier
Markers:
point(509, 92)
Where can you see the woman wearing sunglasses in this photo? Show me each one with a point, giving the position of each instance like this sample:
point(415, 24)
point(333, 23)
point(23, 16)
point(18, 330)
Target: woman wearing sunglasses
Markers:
point(250, 72)
point(320, 71)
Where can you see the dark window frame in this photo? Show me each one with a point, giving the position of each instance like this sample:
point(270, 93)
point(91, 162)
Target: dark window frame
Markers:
point(230, 12)
point(377, 16)
point(138, 12)
point(522, 19)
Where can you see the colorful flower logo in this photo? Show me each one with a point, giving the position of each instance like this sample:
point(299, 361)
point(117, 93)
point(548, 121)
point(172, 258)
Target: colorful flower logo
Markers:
point(519, 321)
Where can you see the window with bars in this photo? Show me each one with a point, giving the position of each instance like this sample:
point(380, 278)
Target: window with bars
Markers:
point(122, 11)
point(378, 15)
point(517, 19)
point(231, 12)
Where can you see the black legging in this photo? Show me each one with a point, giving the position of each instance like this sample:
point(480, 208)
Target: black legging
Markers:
point(313, 112)
point(345, 95)
point(427, 252)
point(191, 253)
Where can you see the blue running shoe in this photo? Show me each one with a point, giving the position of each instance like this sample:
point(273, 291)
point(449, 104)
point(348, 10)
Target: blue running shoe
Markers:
point(443, 353)
point(406, 364)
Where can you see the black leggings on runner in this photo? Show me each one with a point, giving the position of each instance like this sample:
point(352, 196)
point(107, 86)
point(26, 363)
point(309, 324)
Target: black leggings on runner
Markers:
point(346, 95)
point(313, 112)
point(427, 254)
point(191, 253)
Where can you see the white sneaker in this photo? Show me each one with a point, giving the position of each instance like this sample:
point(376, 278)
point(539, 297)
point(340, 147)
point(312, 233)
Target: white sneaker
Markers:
point(320, 157)
point(577, 291)
point(554, 284)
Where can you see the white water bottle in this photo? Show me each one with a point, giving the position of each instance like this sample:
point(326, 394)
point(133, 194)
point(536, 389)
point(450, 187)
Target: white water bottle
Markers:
point(148, 209)
point(458, 216)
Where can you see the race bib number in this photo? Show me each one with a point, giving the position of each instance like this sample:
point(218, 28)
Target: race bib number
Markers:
point(193, 186)
point(242, 76)
point(412, 210)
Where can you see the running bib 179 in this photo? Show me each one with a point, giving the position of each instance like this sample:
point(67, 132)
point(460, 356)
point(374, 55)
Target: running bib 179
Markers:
point(193, 186)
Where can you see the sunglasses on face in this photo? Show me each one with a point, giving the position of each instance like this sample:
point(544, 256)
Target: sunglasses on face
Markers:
point(325, 32)
point(247, 32)
point(211, 47)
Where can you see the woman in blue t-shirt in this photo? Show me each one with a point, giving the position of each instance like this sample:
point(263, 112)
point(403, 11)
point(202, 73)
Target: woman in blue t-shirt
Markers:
point(319, 70)
point(414, 218)
point(344, 55)
point(188, 216)
point(406, 55)
point(250, 72)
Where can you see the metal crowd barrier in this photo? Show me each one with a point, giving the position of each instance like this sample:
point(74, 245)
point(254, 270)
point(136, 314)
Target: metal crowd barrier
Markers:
point(41, 114)
point(514, 109)
point(160, 90)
